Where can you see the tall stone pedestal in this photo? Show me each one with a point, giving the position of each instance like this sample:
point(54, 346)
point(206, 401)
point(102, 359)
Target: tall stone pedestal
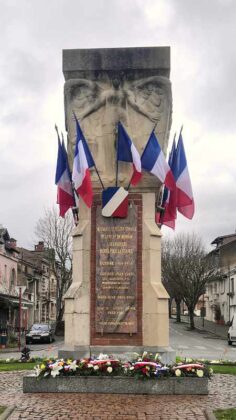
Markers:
point(117, 303)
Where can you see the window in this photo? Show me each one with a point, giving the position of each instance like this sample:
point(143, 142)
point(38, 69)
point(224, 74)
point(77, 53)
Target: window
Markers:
point(13, 278)
point(232, 285)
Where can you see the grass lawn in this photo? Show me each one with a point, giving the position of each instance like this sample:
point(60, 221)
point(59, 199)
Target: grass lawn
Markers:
point(228, 370)
point(7, 367)
point(2, 409)
point(229, 414)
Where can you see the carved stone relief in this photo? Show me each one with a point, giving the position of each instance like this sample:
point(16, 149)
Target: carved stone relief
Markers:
point(101, 99)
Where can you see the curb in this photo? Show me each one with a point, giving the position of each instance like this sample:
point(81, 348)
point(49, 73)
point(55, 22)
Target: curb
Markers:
point(210, 415)
point(7, 412)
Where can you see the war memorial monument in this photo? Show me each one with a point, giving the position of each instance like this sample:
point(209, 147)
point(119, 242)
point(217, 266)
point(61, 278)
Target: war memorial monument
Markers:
point(117, 302)
point(117, 307)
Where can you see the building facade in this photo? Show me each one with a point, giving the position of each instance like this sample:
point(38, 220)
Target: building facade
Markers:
point(27, 282)
point(36, 271)
point(220, 294)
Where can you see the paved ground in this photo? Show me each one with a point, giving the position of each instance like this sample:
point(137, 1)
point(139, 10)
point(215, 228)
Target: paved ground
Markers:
point(114, 407)
point(40, 350)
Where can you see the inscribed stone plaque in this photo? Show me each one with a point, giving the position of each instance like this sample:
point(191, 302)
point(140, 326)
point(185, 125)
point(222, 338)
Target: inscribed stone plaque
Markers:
point(116, 273)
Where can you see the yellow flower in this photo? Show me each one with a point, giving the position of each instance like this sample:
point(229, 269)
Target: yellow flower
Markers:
point(69, 361)
point(42, 366)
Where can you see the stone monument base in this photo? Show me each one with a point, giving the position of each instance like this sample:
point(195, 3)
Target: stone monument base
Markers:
point(117, 385)
point(167, 354)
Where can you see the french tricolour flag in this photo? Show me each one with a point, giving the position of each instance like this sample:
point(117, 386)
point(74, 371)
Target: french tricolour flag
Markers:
point(65, 196)
point(169, 197)
point(83, 160)
point(184, 194)
point(115, 202)
point(127, 152)
point(153, 160)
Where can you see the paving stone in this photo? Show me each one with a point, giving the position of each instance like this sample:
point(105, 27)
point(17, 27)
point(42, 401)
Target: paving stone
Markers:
point(114, 407)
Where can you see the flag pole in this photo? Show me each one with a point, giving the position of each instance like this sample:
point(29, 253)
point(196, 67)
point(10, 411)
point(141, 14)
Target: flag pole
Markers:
point(90, 152)
point(99, 177)
point(117, 162)
point(58, 137)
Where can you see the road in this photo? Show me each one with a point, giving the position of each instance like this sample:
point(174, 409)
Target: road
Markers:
point(37, 350)
point(194, 344)
point(199, 344)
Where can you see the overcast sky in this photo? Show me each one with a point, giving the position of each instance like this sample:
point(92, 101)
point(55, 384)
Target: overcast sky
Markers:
point(201, 35)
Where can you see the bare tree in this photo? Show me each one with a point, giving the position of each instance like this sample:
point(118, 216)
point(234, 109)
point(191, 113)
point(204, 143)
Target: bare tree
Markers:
point(170, 283)
point(187, 270)
point(55, 232)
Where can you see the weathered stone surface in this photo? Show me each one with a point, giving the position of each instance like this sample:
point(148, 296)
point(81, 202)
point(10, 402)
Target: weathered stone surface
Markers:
point(104, 86)
point(117, 385)
point(87, 60)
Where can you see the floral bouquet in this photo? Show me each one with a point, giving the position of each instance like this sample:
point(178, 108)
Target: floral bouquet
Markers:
point(145, 366)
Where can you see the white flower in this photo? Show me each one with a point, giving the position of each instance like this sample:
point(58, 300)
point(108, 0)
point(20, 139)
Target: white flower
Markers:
point(109, 369)
point(55, 372)
point(131, 368)
point(8, 360)
point(108, 363)
point(145, 353)
point(200, 373)
point(46, 374)
point(178, 372)
point(103, 356)
point(73, 366)
point(157, 357)
point(37, 370)
point(96, 367)
point(55, 369)
point(89, 365)
point(189, 360)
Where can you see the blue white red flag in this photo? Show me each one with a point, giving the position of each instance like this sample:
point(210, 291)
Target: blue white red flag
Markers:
point(83, 160)
point(184, 194)
point(115, 202)
point(127, 152)
point(65, 196)
point(169, 198)
point(153, 161)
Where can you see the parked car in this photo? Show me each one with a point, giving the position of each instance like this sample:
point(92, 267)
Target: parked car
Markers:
point(232, 331)
point(40, 333)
